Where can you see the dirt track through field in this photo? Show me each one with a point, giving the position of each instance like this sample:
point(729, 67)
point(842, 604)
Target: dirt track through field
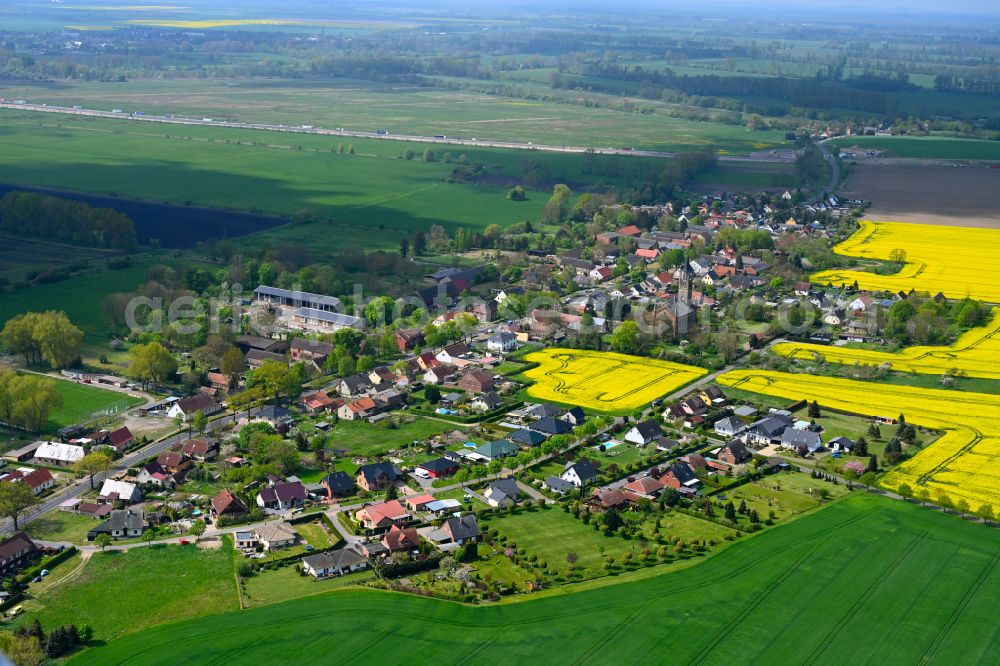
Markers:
point(934, 194)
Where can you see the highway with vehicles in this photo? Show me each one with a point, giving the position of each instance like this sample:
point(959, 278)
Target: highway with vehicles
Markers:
point(140, 116)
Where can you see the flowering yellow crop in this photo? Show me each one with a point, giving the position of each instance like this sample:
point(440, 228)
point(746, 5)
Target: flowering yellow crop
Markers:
point(975, 354)
point(963, 464)
point(957, 261)
point(235, 23)
point(604, 380)
point(213, 23)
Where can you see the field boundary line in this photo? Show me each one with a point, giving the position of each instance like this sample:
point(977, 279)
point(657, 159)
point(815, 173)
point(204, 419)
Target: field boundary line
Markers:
point(613, 632)
point(756, 601)
point(959, 610)
point(872, 589)
point(479, 649)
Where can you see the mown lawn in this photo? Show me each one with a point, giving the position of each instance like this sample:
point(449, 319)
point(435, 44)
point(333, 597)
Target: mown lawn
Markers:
point(311, 534)
point(867, 579)
point(787, 494)
point(361, 438)
point(836, 424)
point(268, 587)
point(554, 536)
point(62, 526)
point(121, 592)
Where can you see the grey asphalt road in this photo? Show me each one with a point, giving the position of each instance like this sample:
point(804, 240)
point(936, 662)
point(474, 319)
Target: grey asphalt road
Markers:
point(52, 502)
point(834, 173)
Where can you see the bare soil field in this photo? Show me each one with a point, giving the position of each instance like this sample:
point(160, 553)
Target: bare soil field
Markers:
point(933, 194)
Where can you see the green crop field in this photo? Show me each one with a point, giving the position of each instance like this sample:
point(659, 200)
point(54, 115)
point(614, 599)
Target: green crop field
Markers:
point(80, 297)
point(374, 190)
point(18, 256)
point(750, 176)
point(82, 401)
point(925, 147)
point(403, 109)
point(867, 579)
point(125, 591)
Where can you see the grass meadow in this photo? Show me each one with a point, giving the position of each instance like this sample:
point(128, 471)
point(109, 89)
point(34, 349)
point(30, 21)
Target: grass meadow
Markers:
point(19, 255)
point(360, 438)
point(827, 588)
point(401, 108)
point(119, 592)
point(80, 297)
point(374, 190)
point(553, 535)
point(268, 587)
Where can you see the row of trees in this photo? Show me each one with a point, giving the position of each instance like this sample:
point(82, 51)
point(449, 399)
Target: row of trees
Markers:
point(49, 335)
point(53, 218)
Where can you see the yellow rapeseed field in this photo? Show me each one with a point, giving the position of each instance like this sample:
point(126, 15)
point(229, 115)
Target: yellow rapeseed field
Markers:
point(963, 464)
point(958, 261)
point(213, 23)
point(235, 23)
point(976, 354)
point(604, 381)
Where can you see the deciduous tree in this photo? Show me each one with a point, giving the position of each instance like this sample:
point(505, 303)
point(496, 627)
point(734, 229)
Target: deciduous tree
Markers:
point(15, 499)
point(151, 363)
point(58, 339)
point(93, 463)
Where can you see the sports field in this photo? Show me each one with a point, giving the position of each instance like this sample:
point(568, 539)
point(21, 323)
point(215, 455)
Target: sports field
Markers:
point(867, 580)
point(957, 261)
point(963, 464)
point(975, 354)
point(604, 381)
point(83, 402)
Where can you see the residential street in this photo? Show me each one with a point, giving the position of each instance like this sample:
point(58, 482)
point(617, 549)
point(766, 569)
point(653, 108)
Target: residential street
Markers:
point(81, 487)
